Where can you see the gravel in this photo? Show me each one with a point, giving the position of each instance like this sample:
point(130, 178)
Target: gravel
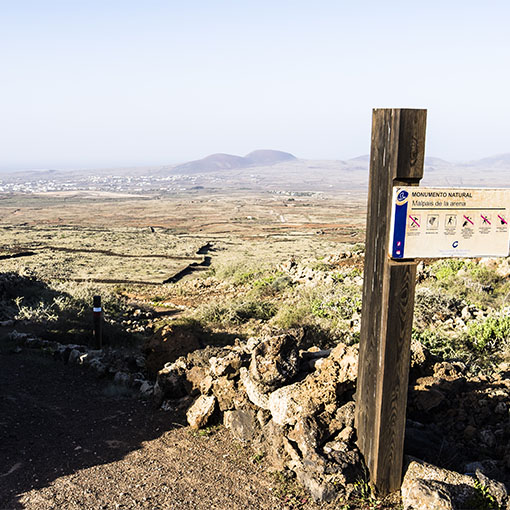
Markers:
point(72, 441)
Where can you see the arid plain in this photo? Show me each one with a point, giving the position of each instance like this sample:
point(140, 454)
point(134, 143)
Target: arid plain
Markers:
point(207, 263)
point(98, 236)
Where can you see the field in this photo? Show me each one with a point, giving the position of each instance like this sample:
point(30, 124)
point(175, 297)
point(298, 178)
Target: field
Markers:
point(102, 238)
point(211, 269)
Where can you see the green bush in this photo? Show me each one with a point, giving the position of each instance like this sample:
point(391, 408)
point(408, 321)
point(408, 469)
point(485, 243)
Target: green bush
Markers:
point(293, 315)
point(481, 347)
point(445, 269)
point(243, 277)
point(41, 312)
point(489, 335)
point(272, 284)
point(341, 307)
point(324, 311)
point(236, 312)
point(475, 283)
point(62, 311)
point(321, 266)
point(484, 275)
point(439, 344)
point(340, 277)
point(238, 272)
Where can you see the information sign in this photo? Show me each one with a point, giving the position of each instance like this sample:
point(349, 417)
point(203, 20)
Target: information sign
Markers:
point(449, 222)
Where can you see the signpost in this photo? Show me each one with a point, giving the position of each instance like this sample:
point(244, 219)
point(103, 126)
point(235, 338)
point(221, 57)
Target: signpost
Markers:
point(98, 323)
point(405, 222)
point(396, 159)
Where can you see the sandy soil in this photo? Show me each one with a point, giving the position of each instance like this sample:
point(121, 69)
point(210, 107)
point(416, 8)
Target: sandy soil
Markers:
point(71, 441)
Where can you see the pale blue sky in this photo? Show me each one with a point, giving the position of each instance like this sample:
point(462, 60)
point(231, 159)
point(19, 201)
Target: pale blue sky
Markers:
point(119, 82)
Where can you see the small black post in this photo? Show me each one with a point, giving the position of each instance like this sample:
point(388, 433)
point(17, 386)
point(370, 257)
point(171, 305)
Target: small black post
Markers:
point(98, 323)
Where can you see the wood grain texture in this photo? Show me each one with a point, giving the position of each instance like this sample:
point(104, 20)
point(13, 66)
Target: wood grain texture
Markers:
point(411, 153)
point(396, 157)
point(392, 386)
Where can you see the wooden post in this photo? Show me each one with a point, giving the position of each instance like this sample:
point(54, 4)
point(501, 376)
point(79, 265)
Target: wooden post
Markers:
point(98, 323)
point(397, 155)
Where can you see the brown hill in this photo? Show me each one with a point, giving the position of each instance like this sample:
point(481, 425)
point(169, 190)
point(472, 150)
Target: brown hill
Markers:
point(217, 162)
point(268, 157)
point(211, 163)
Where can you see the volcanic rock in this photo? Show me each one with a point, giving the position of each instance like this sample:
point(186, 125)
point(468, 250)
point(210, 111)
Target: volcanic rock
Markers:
point(201, 410)
point(275, 361)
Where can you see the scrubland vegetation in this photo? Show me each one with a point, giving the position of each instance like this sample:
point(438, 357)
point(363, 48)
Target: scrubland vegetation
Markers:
point(461, 312)
point(62, 311)
point(462, 307)
point(258, 283)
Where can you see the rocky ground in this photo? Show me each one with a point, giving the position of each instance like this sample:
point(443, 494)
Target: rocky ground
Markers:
point(297, 406)
point(227, 360)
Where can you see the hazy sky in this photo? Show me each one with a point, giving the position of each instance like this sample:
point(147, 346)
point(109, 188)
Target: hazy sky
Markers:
point(88, 83)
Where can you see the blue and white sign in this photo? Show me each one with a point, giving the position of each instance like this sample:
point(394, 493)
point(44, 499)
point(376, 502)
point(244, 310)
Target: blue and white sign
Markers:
point(449, 222)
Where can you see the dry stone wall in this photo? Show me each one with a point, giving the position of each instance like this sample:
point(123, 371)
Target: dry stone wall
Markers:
point(297, 406)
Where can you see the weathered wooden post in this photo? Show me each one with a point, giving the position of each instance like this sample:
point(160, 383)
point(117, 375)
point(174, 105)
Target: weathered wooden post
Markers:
point(396, 158)
point(98, 323)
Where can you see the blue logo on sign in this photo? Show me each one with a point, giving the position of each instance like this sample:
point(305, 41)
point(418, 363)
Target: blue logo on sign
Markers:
point(455, 244)
point(402, 195)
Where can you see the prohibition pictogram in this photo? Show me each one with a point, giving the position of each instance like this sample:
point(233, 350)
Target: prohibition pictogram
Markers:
point(486, 220)
point(468, 221)
point(414, 221)
point(477, 226)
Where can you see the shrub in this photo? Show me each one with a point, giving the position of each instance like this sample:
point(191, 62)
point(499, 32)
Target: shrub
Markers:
point(432, 303)
point(272, 284)
point(336, 307)
point(484, 275)
point(238, 272)
point(441, 345)
point(62, 311)
point(42, 312)
point(445, 269)
point(321, 266)
point(490, 335)
point(236, 312)
point(293, 315)
point(340, 277)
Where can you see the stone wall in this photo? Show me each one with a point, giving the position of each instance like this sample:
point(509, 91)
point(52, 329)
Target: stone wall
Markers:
point(297, 407)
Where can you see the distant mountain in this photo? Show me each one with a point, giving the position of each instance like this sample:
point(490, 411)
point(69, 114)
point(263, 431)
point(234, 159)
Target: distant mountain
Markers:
point(211, 163)
point(218, 162)
point(258, 170)
point(268, 157)
point(359, 163)
point(365, 158)
point(432, 161)
point(497, 161)
point(500, 160)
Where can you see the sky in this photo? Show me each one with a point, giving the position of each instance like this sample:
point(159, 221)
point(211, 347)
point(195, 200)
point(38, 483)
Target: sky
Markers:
point(105, 83)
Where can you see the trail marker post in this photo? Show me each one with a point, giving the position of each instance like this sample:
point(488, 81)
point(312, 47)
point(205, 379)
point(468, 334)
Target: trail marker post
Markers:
point(98, 323)
point(396, 159)
point(405, 223)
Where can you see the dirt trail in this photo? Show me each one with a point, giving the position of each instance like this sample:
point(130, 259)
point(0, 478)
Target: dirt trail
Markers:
point(71, 441)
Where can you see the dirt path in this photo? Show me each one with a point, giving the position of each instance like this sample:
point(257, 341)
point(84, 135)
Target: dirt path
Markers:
point(71, 441)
